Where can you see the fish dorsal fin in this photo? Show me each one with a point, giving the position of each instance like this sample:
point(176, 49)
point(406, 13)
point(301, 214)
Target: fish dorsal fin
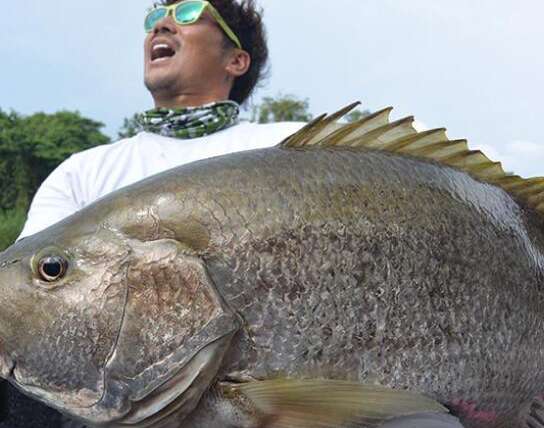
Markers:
point(325, 403)
point(376, 132)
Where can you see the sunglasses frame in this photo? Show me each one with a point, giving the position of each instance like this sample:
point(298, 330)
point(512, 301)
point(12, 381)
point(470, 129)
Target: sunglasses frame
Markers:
point(170, 10)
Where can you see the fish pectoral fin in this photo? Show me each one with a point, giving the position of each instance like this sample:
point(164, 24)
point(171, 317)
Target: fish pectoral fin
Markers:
point(290, 403)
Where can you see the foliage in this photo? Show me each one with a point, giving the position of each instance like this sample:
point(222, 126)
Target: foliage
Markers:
point(8, 192)
point(355, 115)
point(11, 224)
point(31, 147)
point(129, 128)
point(282, 108)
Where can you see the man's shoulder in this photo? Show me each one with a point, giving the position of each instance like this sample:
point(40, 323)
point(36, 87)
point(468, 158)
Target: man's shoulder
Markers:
point(262, 134)
point(248, 136)
point(270, 128)
point(105, 149)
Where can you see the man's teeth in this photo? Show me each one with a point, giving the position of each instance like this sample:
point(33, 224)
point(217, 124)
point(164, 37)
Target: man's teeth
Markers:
point(163, 46)
point(161, 51)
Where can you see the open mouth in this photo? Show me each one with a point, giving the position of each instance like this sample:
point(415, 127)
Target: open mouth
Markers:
point(161, 52)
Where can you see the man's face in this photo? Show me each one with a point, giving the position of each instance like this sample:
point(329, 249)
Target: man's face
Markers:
point(184, 59)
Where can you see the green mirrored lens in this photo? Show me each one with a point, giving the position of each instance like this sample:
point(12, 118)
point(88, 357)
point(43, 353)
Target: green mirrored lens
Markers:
point(188, 12)
point(153, 17)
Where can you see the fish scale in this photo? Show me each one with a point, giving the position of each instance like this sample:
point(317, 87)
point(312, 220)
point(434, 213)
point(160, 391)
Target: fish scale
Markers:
point(421, 325)
point(350, 276)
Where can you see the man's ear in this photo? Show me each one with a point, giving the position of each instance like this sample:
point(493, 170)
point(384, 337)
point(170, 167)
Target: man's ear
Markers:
point(238, 63)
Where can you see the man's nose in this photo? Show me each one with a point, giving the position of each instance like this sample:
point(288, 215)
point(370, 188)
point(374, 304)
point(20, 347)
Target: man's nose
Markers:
point(167, 24)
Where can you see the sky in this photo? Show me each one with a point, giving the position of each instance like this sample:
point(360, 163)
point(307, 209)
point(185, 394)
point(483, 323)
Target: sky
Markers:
point(474, 67)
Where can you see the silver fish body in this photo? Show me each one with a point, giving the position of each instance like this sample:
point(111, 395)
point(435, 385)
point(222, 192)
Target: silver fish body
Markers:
point(390, 269)
point(333, 263)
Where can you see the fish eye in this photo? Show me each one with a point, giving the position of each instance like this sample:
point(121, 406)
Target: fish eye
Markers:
point(52, 268)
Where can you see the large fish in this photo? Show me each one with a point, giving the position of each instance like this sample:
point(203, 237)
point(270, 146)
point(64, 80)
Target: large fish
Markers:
point(354, 275)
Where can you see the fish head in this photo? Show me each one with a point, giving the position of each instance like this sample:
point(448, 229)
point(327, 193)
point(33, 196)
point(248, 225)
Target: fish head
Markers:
point(61, 306)
point(109, 328)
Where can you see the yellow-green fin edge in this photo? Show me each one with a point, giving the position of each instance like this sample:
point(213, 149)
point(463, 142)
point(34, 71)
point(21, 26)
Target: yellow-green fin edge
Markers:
point(377, 132)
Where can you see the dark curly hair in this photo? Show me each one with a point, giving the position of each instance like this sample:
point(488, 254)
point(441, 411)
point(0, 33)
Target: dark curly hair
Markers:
point(246, 22)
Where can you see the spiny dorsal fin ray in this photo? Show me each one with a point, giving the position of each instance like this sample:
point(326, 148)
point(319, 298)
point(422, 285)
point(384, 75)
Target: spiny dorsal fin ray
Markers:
point(419, 140)
point(330, 124)
point(320, 128)
point(384, 135)
point(325, 403)
point(362, 126)
point(439, 150)
point(507, 180)
point(536, 200)
point(377, 132)
point(300, 137)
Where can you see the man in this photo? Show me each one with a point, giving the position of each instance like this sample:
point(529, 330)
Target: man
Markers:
point(201, 61)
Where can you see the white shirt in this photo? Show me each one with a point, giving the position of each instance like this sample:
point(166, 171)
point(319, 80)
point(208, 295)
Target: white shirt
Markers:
point(91, 174)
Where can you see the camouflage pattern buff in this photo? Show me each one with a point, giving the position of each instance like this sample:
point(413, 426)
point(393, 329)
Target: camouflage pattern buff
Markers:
point(353, 276)
point(190, 122)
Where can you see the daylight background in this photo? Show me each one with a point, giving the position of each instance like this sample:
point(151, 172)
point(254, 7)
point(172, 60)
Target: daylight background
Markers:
point(476, 68)
point(473, 66)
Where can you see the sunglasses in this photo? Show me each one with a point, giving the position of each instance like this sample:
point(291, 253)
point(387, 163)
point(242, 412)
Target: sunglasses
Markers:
point(185, 13)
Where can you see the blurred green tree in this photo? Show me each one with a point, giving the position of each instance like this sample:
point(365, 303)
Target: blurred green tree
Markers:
point(8, 188)
point(355, 115)
point(30, 148)
point(130, 127)
point(282, 108)
point(11, 224)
